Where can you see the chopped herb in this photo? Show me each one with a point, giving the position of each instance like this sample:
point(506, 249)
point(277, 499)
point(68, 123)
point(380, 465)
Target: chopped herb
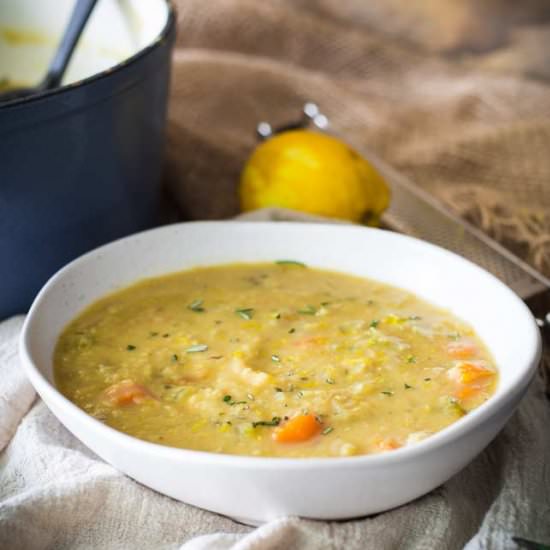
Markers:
point(414, 317)
point(327, 430)
point(176, 395)
point(325, 304)
point(374, 323)
point(455, 403)
point(174, 357)
point(427, 379)
point(278, 316)
point(216, 357)
point(196, 305)
point(304, 378)
point(166, 335)
point(453, 336)
point(275, 358)
point(278, 389)
point(196, 348)
point(275, 421)
point(245, 313)
point(299, 394)
point(153, 334)
point(390, 393)
point(309, 310)
point(407, 387)
point(227, 399)
point(411, 359)
point(130, 347)
point(329, 380)
point(292, 331)
point(290, 262)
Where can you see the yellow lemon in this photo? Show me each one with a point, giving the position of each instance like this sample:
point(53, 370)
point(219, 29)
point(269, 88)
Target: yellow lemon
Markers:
point(315, 173)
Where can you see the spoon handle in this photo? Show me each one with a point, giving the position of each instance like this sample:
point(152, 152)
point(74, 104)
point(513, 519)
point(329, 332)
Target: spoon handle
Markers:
point(81, 11)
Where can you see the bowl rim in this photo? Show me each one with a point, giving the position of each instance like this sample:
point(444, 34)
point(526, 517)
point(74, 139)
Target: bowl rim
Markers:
point(485, 412)
point(163, 35)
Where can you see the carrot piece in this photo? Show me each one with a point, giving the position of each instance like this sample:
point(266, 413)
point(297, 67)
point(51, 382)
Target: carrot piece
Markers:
point(126, 392)
point(388, 444)
point(466, 392)
point(297, 429)
point(310, 341)
point(467, 372)
point(462, 350)
point(472, 372)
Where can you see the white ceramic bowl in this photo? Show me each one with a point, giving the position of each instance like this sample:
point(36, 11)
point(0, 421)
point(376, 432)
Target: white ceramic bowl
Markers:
point(254, 489)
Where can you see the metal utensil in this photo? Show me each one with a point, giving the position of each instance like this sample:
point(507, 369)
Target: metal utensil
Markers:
point(56, 70)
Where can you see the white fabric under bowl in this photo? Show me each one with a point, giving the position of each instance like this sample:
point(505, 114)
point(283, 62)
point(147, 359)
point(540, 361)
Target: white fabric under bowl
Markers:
point(330, 488)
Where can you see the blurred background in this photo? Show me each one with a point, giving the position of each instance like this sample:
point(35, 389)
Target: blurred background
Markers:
point(453, 93)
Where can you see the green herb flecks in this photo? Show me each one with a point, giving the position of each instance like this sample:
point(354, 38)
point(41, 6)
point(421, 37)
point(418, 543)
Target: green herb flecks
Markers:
point(292, 331)
point(178, 394)
point(327, 430)
point(275, 421)
point(175, 358)
point(197, 348)
point(453, 402)
point(275, 358)
point(245, 313)
point(230, 401)
point(131, 347)
point(414, 318)
point(290, 262)
point(374, 323)
point(309, 310)
point(330, 381)
point(408, 387)
point(411, 359)
point(387, 392)
point(196, 306)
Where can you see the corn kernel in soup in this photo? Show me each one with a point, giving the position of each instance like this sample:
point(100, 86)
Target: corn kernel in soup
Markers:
point(272, 360)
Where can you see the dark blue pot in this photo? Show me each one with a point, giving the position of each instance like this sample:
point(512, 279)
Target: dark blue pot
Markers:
point(80, 166)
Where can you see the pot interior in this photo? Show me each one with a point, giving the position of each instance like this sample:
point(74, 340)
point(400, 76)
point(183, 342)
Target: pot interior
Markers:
point(31, 29)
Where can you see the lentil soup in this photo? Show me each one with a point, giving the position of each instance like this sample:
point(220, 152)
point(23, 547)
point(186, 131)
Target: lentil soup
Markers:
point(273, 359)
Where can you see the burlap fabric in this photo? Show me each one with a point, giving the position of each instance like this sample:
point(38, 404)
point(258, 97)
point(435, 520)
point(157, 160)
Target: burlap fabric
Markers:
point(451, 92)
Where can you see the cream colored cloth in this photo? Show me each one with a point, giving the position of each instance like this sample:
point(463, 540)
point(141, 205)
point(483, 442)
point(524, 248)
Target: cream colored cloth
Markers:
point(56, 494)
